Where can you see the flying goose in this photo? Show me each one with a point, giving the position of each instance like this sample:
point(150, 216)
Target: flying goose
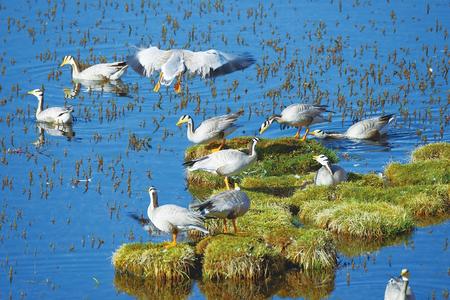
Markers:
point(173, 63)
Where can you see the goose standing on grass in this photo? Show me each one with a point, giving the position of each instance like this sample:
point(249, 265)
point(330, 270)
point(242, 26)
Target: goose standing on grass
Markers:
point(98, 72)
point(225, 205)
point(54, 115)
point(217, 128)
point(172, 218)
point(297, 115)
point(225, 163)
point(369, 129)
point(398, 288)
point(172, 64)
point(328, 174)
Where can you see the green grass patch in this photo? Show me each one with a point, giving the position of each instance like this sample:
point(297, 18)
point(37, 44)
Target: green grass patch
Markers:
point(152, 261)
point(373, 220)
point(436, 151)
point(240, 257)
point(422, 172)
point(277, 157)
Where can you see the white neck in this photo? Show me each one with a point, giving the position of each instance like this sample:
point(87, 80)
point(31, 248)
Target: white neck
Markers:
point(75, 68)
point(253, 150)
point(40, 107)
point(404, 287)
point(153, 201)
point(190, 129)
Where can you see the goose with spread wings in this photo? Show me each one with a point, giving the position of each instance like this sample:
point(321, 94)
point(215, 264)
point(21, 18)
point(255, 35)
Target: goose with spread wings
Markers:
point(172, 64)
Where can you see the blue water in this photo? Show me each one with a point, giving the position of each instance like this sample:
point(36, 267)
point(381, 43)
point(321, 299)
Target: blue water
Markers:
point(57, 236)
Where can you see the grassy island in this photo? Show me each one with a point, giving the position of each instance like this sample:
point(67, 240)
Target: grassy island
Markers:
point(294, 227)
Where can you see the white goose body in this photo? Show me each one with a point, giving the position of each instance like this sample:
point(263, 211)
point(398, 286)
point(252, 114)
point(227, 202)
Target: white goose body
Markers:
point(99, 72)
point(329, 174)
point(171, 218)
point(226, 162)
point(54, 115)
point(398, 288)
point(211, 129)
point(369, 129)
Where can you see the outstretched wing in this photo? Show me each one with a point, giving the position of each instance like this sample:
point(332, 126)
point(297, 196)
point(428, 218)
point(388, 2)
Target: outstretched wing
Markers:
point(213, 63)
point(145, 61)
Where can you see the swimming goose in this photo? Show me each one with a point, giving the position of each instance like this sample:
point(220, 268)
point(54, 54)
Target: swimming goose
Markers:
point(398, 288)
point(226, 162)
point(173, 63)
point(297, 115)
point(172, 218)
point(328, 174)
point(225, 205)
point(369, 129)
point(98, 72)
point(55, 115)
point(211, 129)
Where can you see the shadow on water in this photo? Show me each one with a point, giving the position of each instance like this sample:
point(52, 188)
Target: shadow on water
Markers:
point(149, 289)
point(355, 247)
point(293, 284)
point(118, 87)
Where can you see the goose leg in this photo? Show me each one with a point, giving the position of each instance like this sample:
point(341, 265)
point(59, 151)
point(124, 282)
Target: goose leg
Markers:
point(225, 229)
point(177, 86)
point(158, 85)
point(306, 133)
point(297, 135)
point(227, 184)
point(220, 146)
point(234, 226)
point(174, 240)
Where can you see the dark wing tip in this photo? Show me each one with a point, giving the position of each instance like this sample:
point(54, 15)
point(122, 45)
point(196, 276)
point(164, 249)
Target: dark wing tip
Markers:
point(239, 63)
point(134, 63)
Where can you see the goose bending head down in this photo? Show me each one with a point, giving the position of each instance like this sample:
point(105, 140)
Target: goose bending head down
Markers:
point(172, 64)
point(328, 174)
point(297, 115)
point(229, 204)
point(217, 128)
point(225, 163)
point(398, 288)
point(173, 219)
point(369, 129)
point(53, 115)
point(99, 72)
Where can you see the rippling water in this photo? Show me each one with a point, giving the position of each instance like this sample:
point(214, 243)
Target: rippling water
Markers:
point(58, 231)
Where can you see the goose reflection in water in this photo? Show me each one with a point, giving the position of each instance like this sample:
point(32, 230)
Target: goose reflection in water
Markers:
point(53, 130)
point(117, 87)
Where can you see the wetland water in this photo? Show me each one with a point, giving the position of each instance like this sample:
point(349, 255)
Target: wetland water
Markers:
point(65, 200)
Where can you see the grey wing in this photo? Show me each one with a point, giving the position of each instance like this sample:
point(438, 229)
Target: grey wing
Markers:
point(51, 113)
point(106, 70)
point(145, 61)
point(215, 126)
point(183, 218)
point(367, 128)
point(339, 174)
point(213, 63)
point(300, 111)
point(217, 160)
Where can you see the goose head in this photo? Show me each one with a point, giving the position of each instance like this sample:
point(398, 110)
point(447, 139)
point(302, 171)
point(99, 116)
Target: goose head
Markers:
point(184, 119)
point(68, 60)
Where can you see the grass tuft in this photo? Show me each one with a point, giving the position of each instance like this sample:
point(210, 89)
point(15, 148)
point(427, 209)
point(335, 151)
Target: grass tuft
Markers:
point(375, 220)
point(152, 261)
point(422, 172)
point(240, 257)
point(436, 151)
